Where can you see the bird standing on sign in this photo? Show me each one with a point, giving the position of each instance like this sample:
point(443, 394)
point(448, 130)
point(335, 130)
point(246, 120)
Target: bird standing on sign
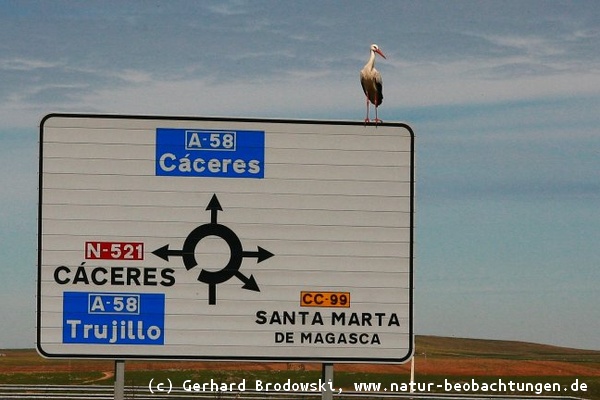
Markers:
point(371, 82)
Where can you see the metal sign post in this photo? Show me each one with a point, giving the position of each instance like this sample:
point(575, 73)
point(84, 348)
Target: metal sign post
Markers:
point(412, 373)
point(119, 380)
point(327, 377)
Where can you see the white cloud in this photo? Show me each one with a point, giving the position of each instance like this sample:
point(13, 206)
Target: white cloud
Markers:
point(25, 64)
point(225, 8)
point(534, 46)
point(295, 93)
point(205, 97)
point(475, 81)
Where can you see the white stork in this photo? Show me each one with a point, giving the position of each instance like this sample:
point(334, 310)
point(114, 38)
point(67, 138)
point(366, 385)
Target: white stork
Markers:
point(371, 82)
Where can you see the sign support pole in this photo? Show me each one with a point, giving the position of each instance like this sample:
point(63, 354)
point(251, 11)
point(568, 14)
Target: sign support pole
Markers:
point(119, 380)
point(412, 373)
point(327, 377)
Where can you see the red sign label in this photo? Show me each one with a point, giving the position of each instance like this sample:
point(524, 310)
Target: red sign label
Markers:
point(114, 251)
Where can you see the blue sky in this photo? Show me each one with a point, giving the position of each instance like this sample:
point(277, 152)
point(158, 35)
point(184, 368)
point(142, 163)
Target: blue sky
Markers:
point(504, 97)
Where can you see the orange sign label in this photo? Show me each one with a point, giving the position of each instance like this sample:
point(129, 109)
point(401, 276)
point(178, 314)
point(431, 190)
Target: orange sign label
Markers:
point(325, 299)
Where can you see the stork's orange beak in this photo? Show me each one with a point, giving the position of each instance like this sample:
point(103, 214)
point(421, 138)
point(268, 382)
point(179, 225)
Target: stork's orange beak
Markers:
point(380, 53)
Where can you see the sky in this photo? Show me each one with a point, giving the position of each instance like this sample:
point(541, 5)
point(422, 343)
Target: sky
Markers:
point(503, 96)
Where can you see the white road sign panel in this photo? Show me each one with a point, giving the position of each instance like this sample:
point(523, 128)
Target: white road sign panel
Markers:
point(225, 239)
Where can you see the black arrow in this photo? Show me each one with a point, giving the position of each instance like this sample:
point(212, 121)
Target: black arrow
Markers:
point(214, 206)
point(164, 253)
point(261, 254)
point(249, 283)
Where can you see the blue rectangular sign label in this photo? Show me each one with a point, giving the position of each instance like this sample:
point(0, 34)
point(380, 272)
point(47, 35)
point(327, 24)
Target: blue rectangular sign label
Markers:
point(113, 318)
point(210, 153)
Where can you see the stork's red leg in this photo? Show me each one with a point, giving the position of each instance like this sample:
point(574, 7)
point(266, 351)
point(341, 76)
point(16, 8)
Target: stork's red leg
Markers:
point(376, 118)
point(367, 118)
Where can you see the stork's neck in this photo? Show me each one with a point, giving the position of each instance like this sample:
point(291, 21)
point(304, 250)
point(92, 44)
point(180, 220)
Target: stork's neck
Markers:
point(371, 63)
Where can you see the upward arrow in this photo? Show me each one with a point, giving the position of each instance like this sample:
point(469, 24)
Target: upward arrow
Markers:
point(214, 206)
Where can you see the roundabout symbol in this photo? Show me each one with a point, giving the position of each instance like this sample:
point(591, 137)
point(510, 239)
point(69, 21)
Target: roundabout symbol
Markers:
point(237, 254)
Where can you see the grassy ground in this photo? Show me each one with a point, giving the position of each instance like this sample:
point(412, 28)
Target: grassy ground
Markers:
point(439, 362)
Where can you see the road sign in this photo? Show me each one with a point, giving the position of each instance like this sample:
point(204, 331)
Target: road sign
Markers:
point(225, 239)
